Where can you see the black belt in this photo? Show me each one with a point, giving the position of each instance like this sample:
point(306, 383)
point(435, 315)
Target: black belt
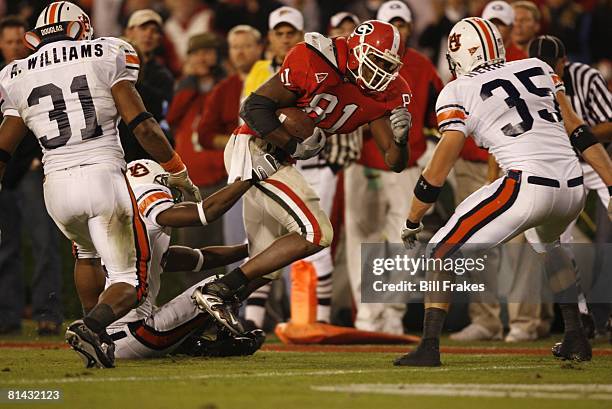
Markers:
point(538, 180)
point(115, 336)
point(542, 181)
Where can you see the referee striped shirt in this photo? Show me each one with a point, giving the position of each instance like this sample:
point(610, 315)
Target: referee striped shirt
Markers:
point(588, 93)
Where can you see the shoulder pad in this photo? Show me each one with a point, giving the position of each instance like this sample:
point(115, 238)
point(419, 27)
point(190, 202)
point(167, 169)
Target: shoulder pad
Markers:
point(324, 45)
point(117, 44)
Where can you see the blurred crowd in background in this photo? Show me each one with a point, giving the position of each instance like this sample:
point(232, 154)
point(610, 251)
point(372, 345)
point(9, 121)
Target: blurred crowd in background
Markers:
point(198, 60)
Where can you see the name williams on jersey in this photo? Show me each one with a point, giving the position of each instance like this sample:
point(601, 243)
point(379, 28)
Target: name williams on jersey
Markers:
point(61, 54)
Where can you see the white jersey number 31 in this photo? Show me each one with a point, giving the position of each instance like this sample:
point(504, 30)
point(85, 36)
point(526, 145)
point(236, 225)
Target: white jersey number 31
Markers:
point(58, 114)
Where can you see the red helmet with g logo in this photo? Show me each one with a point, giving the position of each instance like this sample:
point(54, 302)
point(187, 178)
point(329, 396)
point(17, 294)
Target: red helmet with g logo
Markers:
point(374, 54)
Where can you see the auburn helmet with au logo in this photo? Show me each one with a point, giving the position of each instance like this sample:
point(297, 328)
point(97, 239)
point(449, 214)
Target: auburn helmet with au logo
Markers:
point(474, 42)
point(375, 50)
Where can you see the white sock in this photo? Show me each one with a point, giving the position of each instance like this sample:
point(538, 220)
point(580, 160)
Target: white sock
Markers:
point(324, 293)
point(256, 305)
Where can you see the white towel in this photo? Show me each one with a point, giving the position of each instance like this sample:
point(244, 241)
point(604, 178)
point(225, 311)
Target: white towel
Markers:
point(241, 166)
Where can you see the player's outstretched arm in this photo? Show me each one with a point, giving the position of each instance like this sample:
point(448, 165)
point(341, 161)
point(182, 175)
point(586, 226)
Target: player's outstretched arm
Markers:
point(583, 139)
point(394, 152)
point(149, 134)
point(180, 258)
point(210, 209)
point(429, 184)
point(215, 205)
point(151, 137)
point(12, 131)
point(437, 170)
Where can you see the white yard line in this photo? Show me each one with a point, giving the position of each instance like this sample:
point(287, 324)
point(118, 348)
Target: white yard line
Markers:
point(94, 378)
point(556, 391)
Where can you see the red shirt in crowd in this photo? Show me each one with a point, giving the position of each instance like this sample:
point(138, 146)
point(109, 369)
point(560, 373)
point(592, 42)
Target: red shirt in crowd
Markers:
point(205, 166)
point(470, 150)
point(421, 76)
point(221, 113)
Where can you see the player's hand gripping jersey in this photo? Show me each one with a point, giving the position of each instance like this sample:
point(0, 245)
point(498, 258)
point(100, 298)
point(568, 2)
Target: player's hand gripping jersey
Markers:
point(511, 110)
point(63, 94)
point(316, 71)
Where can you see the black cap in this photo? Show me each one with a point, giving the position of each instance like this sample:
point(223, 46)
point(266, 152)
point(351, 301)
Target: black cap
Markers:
point(547, 48)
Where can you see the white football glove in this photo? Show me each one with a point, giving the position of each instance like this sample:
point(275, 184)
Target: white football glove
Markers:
point(311, 146)
point(180, 180)
point(264, 166)
point(401, 121)
point(409, 235)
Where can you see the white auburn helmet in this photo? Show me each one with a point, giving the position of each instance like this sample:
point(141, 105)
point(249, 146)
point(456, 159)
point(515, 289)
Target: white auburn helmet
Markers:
point(473, 42)
point(146, 172)
point(60, 20)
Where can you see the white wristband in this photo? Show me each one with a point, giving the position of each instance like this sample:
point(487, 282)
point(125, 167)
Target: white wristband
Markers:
point(201, 213)
point(200, 261)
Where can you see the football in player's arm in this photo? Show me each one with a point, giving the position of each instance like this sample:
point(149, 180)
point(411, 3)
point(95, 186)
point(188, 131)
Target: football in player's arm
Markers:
point(390, 132)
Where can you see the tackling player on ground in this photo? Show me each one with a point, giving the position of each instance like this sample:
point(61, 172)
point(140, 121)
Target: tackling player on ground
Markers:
point(71, 93)
point(148, 331)
point(510, 109)
point(342, 84)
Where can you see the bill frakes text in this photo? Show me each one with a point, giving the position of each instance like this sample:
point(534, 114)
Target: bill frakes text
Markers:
point(427, 286)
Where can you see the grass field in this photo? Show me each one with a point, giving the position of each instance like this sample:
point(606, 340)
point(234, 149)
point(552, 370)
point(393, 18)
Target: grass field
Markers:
point(327, 377)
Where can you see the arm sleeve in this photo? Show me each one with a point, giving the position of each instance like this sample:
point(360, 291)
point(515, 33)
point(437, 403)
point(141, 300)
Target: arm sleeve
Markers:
point(294, 72)
point(451, 114)
point(400, 95)
point(152, 201)
point(7, 105)
point(123, 62)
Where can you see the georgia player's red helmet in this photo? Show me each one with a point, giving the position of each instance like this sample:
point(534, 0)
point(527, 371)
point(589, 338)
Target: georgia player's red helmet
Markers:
point(374, 54)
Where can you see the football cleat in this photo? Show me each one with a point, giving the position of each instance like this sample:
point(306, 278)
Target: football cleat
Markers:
point(427, 353)
point(208, 299)
point(575, 346)
point(94, 351)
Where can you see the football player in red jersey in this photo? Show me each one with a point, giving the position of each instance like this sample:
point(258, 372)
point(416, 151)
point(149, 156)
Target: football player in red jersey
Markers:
point(342, 84)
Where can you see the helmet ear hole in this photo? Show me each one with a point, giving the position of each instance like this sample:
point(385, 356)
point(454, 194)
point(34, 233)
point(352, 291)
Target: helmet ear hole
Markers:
point(75, 30)
point(31, 40)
